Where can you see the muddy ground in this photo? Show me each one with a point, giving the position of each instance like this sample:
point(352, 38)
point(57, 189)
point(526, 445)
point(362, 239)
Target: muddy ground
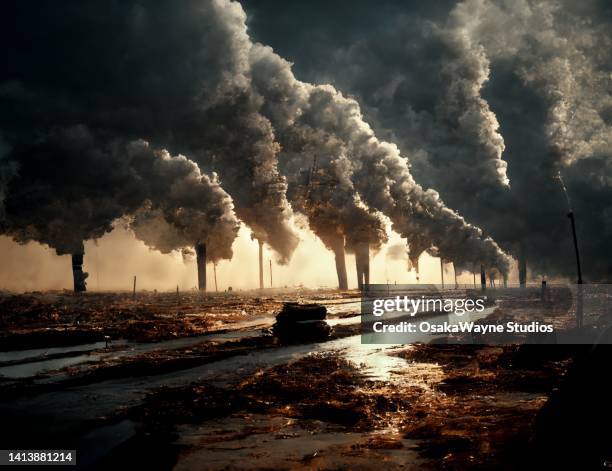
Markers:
point(197, 382)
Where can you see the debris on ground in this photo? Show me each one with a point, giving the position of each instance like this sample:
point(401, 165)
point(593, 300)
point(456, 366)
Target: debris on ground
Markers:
point(301, 323)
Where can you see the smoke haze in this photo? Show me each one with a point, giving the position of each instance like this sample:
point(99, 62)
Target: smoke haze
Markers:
point(446, 124)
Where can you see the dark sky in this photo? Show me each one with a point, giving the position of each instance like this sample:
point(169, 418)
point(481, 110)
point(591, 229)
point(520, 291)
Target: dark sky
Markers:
point(464, 89)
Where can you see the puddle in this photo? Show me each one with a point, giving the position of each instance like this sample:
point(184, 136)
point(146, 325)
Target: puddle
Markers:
point(21, 355)
point(84, 403)
point(28, 368)
point(264, 442)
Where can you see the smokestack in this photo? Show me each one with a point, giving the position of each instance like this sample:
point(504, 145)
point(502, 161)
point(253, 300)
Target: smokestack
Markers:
point(201, 262)
point(261, 283)
point(362, 260)
point(522, 266)
point(442, 271)
point(483, 278)
point(78, 276)
point(340, 263)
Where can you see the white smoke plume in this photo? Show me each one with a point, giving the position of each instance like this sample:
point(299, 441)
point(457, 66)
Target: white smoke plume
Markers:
point(462, 109)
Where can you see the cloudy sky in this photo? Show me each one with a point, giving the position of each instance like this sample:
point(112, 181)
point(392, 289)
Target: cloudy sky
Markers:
point(449, 125)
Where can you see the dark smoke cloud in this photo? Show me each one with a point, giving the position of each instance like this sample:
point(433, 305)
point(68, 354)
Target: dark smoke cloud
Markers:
point(320, 187)
point(189, 79)
point(71, 185)
point(437, 78)
point(376, 169)
point(179, 230)
point(174, 76)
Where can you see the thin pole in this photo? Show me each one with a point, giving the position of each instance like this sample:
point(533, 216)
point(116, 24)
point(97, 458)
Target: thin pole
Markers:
point(270, 273)
point(573, 221)
point(215, 273)
point(261, 276)
point(580, 294)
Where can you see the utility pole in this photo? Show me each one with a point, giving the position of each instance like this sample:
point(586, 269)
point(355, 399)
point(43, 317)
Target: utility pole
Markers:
point(261, 282)
point(580, 294)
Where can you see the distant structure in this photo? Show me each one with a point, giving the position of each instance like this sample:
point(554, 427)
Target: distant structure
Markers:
point(78, 275)
point(261, 270)
point(201, 263)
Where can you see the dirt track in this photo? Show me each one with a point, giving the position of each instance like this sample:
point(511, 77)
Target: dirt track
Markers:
point(208, 389)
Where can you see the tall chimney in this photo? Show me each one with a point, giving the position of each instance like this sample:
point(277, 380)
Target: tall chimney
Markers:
point(261, 284)
point(338, 249)
point(362, 261)
point(522, 266)
point(78, 276)
point(483, 278)
point(201, 262)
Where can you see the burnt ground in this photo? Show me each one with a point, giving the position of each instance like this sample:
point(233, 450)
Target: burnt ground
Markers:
point(249, 402)
point(62, 318)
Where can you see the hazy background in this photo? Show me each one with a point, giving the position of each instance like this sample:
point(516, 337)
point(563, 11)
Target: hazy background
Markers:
point(118, 256)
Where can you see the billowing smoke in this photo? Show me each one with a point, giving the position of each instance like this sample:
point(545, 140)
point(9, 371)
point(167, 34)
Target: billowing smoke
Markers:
point(397, 252)
point(463, 112)
point(317, 171)
point(437, 78)
point(376, 169)
point(189, 79)
point(71, 185)
point(169, 234)
point(553, 61)
point(176, 77)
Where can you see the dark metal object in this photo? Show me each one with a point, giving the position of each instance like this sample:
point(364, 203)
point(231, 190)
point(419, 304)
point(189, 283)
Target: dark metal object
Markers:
point(78, 276)
point(201, 262)
point(338, 250)
point(483, 278)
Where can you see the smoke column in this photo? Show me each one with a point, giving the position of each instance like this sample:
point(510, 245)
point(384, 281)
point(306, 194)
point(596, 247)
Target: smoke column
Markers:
point(234, 108)
point(379, 174)
point(101, 182)
point(180, 82)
